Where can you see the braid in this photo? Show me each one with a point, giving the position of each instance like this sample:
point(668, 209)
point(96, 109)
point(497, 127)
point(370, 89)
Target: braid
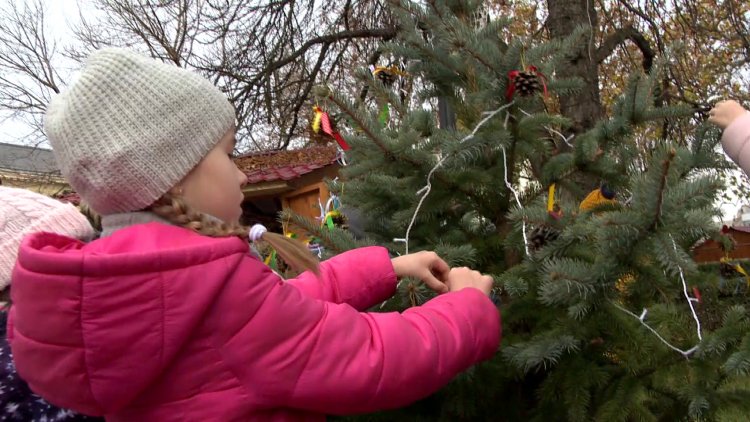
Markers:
point(177, 212)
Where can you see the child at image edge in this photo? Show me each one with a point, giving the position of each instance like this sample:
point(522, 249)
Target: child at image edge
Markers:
point(735, 121)
point(22, 212)
point(168, 317)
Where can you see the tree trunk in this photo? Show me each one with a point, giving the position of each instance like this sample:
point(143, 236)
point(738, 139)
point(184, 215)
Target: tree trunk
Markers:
point(585, 108)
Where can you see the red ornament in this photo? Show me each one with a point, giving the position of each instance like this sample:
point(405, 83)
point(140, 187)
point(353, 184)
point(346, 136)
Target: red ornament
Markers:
point(697, 294)
point(325, 124)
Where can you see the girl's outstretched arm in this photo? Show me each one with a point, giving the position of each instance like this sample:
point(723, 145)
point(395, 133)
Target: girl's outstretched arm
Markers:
point(291, 351)
point(360, 277)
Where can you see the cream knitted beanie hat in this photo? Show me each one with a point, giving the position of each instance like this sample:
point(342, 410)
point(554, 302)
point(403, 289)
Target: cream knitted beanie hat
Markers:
point(23, 212)
point(131, 127)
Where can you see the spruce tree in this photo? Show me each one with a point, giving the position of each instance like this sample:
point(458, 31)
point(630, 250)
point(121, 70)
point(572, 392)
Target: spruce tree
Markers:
point(587, 235)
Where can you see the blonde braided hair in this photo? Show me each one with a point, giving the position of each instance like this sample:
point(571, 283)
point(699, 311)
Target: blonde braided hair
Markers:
point(174, 209)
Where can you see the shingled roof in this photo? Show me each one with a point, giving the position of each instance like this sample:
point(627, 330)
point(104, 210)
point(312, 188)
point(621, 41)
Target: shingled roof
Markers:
point(27, 159)
point(285, 165)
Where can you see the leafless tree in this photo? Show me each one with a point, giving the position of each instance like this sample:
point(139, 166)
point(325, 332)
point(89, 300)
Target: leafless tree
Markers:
point(266, 56)
point(28, 76)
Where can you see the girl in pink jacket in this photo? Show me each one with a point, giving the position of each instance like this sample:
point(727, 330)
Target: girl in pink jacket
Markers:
point(168, 317)
point(735, 121)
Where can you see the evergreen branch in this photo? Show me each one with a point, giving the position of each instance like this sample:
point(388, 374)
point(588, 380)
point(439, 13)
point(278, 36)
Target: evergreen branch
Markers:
point(416, 163)
point(689, 299)
point(640, 318)
point(337, 240)
point(662, 185)
point(428, 187)
point(365, 128)
point(476, 56)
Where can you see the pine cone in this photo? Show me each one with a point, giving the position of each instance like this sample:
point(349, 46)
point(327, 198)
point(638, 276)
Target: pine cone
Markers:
point(526, 83)
point(542, 235)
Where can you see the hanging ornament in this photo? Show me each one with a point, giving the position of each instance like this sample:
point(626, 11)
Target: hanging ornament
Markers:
point(541, 236)
point(322, 120)
point(726, 242)
point(553, 208)
point(729, 269)
point(314, 246)
point(384, 114)
point(387, 75)
point(328, 220)
point(598, 197)
point(623, 283)
point(525, 82)
point(316, 119)
point(271, 260)
point(697, 294)
point(331, 215)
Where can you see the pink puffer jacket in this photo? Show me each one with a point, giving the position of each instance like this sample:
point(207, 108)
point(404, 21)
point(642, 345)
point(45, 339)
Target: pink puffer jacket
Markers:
point(157, 323)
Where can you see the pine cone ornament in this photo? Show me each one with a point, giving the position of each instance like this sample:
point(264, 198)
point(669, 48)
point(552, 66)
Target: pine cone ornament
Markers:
point(526, 82)
point(541, 236)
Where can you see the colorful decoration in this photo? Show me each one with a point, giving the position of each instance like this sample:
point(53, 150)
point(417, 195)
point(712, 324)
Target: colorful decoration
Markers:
point(525, 82)
point(322, 120)
point(311, 243)
point(553, 208)
point(597, 198)
point(697, 294)
point(330, 215)
point(316, 119)
point(729, 269)
point(385, 113)
point(271, 260)
point(387, 75)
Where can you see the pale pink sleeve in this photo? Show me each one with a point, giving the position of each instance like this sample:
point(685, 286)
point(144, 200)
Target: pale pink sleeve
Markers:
point(736, 142)
point(360, 278)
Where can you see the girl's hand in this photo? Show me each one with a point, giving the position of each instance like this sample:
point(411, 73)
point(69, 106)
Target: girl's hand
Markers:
point(464, 277)
point(426, 266)
point(724, 113)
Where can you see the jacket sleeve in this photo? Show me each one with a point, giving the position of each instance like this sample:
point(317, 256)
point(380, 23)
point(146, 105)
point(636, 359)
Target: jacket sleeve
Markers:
point(736, 142)
point(361, 278)
point(328, 358)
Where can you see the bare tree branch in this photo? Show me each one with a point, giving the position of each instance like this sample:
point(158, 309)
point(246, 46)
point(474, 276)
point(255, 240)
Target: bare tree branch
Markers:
point(618, 37)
